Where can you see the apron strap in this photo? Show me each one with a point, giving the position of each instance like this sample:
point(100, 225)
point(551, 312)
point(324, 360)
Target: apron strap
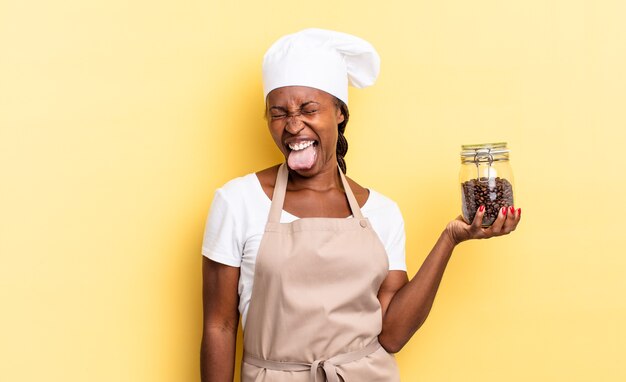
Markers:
point(280, 188)
point(354, 205)
point(278, 197)
point(329, 365)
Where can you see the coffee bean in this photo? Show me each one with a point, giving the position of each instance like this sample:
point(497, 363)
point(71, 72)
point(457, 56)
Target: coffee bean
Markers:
point(476, 192)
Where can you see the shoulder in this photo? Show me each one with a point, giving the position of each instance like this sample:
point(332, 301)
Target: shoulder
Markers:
point(242, 200)
point(240, 188)
point(267, 179)
point(379, 205)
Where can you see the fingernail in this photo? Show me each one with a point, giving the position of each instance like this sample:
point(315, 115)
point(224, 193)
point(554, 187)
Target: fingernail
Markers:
point(481, 208)
point(504, 211)
point(512, 210)
point(519, 212)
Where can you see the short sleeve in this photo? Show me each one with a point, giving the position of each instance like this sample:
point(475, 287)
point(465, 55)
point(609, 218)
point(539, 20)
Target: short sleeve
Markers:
point(387, 221)
point(396, 242)
point(222, 235)
point(396, 246)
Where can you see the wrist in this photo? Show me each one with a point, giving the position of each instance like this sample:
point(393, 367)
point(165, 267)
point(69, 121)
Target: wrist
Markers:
point(450, 238)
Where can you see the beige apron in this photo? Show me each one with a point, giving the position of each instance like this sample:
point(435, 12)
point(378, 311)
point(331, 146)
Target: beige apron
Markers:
point(314, 314)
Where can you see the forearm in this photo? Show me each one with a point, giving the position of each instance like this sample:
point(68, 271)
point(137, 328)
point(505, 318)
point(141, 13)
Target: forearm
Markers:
point(411, 304)
point(217, 354)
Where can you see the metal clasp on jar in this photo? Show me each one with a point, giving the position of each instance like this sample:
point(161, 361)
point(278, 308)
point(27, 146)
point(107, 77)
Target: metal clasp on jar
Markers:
point(484, 156)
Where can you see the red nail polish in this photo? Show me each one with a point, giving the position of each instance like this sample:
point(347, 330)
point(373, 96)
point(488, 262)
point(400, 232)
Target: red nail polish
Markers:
point(519, 212)
point(481, 208)
point(512, 210)
point(504, 211)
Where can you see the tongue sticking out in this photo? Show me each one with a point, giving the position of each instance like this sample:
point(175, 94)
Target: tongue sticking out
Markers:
point(302, 159)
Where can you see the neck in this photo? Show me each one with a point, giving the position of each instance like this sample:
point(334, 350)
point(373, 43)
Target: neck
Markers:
point(325, 180)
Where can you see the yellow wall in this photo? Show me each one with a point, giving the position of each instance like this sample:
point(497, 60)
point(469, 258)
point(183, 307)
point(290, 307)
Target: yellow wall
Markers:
point(119, 119)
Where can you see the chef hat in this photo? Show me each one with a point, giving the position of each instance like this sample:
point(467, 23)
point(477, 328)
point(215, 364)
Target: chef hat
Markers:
point(321, 59)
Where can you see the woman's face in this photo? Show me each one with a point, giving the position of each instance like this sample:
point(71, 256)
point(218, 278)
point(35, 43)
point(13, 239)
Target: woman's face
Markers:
point(303, 123)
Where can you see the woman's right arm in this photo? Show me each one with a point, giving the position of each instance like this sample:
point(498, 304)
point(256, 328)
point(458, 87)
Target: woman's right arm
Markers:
point(221, 318)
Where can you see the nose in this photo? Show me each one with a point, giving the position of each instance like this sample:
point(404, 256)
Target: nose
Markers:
point(294, 124)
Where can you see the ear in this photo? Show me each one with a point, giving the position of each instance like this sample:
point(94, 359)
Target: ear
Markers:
point(340, 116)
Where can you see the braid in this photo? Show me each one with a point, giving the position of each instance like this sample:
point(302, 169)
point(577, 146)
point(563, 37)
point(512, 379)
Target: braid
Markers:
point(342, 142)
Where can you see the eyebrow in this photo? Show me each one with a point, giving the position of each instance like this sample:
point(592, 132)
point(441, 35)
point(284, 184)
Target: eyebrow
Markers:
point(301, 106)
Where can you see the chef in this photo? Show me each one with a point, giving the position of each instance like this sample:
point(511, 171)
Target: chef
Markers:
point(313, 262)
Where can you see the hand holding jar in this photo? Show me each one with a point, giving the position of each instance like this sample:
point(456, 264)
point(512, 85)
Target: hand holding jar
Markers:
point(487, 194)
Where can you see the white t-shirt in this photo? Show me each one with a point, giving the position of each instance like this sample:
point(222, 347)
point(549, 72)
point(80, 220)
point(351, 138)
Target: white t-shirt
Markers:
point(237, 221)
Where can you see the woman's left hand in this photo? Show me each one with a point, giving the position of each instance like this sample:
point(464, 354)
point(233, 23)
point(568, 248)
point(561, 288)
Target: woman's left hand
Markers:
point(505, 223)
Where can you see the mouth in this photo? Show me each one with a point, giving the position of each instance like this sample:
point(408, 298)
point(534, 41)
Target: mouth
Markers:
point(302, 154)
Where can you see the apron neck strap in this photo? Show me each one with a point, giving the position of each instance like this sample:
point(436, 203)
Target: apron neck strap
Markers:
point(278, 197)
point(354, 205)
point(280, 188)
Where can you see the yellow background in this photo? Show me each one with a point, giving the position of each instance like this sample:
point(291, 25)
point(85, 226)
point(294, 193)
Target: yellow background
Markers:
point(119, 119)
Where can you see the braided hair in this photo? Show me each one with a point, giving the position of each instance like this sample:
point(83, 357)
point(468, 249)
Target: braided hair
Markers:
point(342, 142)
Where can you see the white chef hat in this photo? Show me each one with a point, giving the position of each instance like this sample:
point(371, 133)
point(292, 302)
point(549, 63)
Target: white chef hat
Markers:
point(321, 59)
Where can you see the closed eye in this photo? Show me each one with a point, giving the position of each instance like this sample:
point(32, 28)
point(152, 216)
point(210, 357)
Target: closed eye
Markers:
point(309, 108)
point(277, 112)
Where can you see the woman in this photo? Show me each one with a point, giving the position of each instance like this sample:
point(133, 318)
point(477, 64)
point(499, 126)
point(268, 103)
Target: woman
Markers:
point(322, 296)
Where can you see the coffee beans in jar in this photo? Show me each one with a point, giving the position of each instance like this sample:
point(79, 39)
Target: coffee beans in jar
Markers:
point(494, 194)
point(486, 180)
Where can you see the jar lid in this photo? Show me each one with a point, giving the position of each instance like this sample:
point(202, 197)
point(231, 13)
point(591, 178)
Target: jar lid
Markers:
point(491, 148)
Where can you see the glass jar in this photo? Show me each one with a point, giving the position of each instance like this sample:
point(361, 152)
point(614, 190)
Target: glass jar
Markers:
point(486, 179)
